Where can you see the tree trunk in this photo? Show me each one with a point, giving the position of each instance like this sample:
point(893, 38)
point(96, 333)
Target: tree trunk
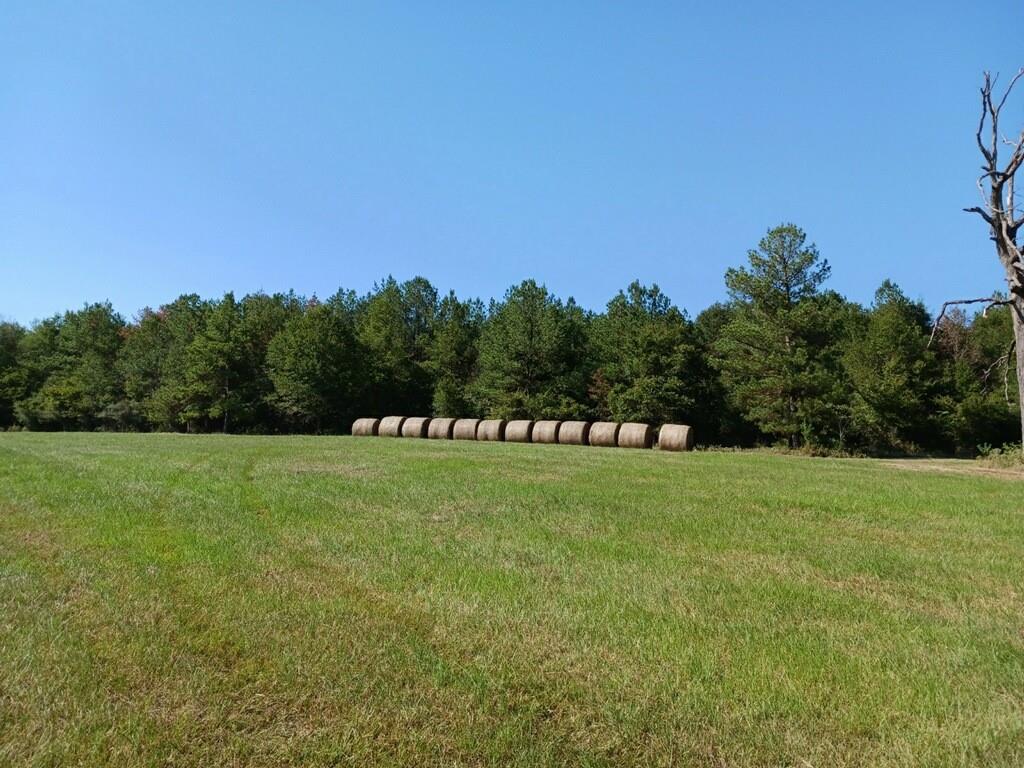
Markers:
point(227, 396)
point(1001, 213)
point(1018, 336)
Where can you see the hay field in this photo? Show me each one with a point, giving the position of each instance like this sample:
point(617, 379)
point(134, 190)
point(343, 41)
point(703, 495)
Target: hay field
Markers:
point(267, 601)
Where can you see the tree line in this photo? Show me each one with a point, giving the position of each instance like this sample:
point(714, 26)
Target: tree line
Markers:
point(783, 360)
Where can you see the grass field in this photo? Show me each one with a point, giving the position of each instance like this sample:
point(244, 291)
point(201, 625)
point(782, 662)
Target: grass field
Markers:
point(173, 600)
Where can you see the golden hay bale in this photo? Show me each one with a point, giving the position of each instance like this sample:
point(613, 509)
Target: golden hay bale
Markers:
point(573, 433)
point(465, 429)
point(604, 434)
point(391, 426)
point(491, 429)
point(634, 435)
point(441, 429)
point(365, 427)
point(415, 426)
point(675, 437)
point(546, 431)
point(519, 431)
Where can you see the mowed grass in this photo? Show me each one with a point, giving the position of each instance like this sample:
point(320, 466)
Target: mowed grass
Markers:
point(267, 601)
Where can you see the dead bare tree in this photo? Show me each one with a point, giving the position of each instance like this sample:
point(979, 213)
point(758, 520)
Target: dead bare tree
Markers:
point(1000, 212)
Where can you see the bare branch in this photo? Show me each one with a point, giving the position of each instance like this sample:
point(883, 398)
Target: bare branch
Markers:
point(993, 115)
point(1010, 202)
point(991, 301)
point(1006, 382)
point(980, 212)
point(1003, 360)
point(1006, 93)
point(999, 210)
point(1015, 160)
point(990, 113)
point(985, 90)
point(986, 197)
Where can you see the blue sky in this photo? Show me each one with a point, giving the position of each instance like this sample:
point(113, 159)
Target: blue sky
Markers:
point(148, 150)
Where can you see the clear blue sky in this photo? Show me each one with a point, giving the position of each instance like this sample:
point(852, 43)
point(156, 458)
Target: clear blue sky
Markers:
point(148, 151)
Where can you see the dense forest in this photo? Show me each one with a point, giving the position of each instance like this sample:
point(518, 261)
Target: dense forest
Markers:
point(784, 361)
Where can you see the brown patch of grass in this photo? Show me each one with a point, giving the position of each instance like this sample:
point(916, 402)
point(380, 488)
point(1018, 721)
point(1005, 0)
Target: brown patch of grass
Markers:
point(955, 467)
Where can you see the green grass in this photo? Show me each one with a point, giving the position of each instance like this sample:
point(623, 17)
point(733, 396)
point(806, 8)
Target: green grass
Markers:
point(172, 600)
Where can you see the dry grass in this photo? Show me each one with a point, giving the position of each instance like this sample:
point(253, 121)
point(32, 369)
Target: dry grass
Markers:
point(976, 467)
point(340, 601)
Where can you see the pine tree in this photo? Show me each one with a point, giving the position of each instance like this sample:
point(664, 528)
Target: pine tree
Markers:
point(213, 368)
point(70, 370)
point(316, 365)
point(152, 362)
point(770, 353)
point(892, 374)
point(261, 317)
point(533, 357)
point(453, 354)
point(394, 326)
point(649, 370)
point(12, 382)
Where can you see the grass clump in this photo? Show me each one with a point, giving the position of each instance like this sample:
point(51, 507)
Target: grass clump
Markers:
point(1009, 455)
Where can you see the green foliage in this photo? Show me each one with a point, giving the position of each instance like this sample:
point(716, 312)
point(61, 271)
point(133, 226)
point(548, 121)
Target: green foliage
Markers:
point(453, 354)
point(153, 361)
point(69, 370)
point(213, 361)
point(783, 270)
point(719, 419)
point(261, 318)
point(893, 375)
point(783, 360)
point(533, 357)
point(12, 383)
point(394, 326)
point(649, 367)
point(978, 405)
point(316, 366)
point(774, 353)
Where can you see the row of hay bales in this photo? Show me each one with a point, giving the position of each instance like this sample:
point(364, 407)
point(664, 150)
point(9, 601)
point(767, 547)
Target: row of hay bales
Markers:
point(607, 434)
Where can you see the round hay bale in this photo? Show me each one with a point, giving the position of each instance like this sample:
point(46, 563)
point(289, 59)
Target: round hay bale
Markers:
point(546, 431)
point(491, 429)
point(465, 429)
point(573, 433)
point(415, 426)
point(634, 435)
point(604, 434)
point(675, 437)
point(391, 426)
point(441, 429)
point(519, 431)
point(365, 427)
